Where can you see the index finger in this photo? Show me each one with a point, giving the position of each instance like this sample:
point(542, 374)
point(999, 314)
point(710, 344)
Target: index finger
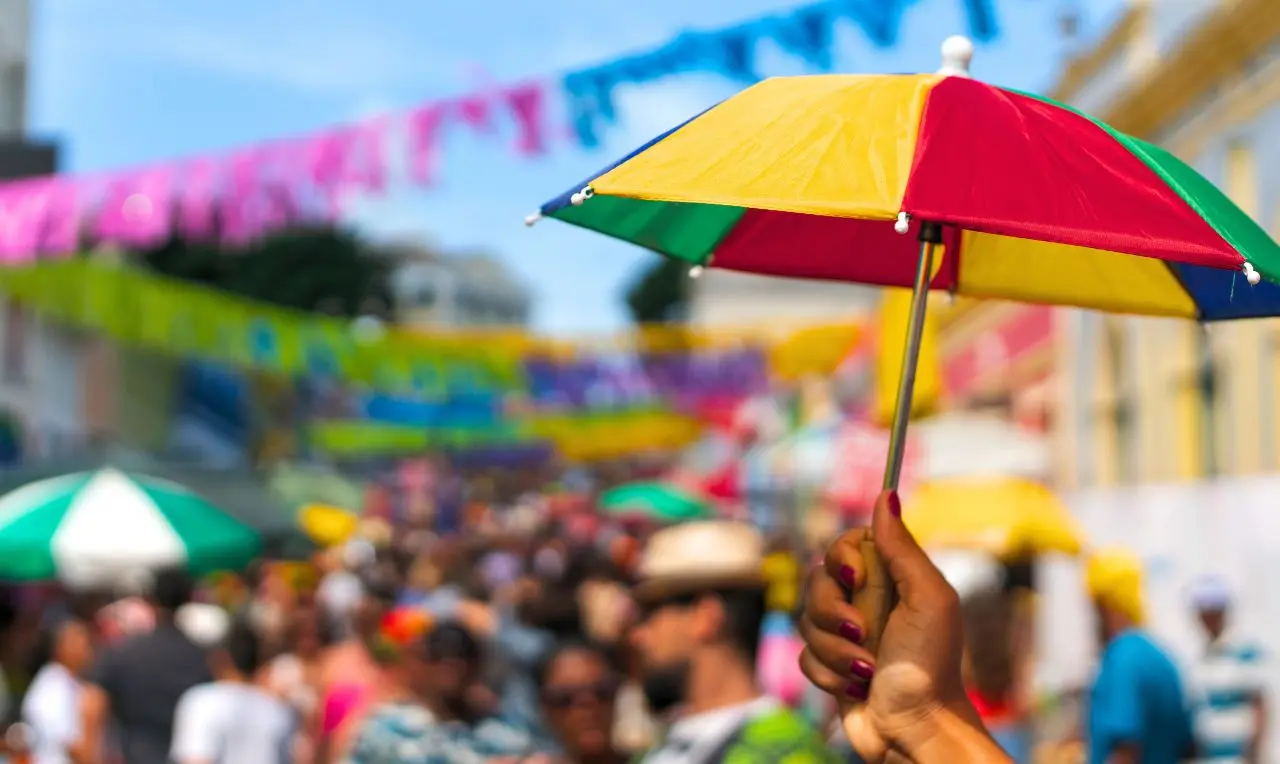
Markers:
point(844, 561)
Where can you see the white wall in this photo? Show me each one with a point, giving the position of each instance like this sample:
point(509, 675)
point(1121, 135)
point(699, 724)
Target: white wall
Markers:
point(728, 298)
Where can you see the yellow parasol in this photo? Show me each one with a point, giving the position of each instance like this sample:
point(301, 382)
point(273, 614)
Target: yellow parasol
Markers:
point(328, 525)
point(1009, 518)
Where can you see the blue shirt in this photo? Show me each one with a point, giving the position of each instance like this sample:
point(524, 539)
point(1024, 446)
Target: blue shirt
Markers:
point(1138, 699)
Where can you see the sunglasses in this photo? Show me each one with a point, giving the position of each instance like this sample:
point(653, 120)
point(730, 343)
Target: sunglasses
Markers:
point(646, 610)
point(565, 697)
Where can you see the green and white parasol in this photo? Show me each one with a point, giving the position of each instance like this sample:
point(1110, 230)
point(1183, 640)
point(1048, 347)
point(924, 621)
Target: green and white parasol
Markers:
point(108, 526)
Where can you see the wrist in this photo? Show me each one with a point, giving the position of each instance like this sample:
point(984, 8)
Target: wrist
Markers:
point(955, 735)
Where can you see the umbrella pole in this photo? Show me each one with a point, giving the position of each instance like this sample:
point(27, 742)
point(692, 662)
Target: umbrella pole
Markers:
point(879, 596)
point(930, 238)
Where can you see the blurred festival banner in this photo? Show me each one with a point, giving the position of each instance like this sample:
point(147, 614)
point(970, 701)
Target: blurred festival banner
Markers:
point(501, 392)
point(185, 320)
point(246, 193)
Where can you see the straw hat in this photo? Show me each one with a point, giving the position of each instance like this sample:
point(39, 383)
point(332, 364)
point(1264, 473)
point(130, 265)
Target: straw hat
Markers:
point(700, 556)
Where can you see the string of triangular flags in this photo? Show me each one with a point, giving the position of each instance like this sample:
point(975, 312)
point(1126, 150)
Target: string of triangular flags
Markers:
point(237, 197)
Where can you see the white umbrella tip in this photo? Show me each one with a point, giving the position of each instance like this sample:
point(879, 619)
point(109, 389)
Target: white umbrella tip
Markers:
point(957, 54)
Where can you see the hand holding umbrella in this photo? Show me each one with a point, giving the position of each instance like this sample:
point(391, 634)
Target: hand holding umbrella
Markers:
point(916, 706)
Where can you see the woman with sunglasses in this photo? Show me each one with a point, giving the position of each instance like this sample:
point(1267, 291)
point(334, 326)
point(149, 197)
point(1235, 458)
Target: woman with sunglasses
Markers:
point(578, 688)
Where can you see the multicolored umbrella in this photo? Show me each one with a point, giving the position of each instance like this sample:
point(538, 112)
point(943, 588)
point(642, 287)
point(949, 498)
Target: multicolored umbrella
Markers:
point(1009, 195)
point(659, 502)
point(1034, 200)
point(105, 526)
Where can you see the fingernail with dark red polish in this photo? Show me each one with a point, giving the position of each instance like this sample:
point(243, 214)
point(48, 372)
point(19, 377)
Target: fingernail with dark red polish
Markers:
point(862, 669)
point(895, 504)
point(858, 690)
point(847, 576)
point(850, 631)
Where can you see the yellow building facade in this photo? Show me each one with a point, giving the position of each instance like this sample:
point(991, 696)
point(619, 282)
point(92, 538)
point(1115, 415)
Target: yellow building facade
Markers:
point(1155, 400)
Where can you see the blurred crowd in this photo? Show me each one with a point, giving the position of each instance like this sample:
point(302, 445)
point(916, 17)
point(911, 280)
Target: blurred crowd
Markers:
point(562, 639)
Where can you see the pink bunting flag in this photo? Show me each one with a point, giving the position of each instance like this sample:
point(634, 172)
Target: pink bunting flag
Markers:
point(135, 208)
point(242, 218)
point(476, 111)
point(62, 222)
point(527, 102)
point(284, 170)
point(23, 208)
point(349, 159)
point(425, 126)
point(198, 198)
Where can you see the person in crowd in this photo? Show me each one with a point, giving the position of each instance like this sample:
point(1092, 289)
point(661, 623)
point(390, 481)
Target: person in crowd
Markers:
point(341, 590)
point(989, 670)
point(352, 676)
point(1137, 710)
point(578, 688)
point(908, 702)
point(991, 658)
point(233, 720)
point(137, 683)
point(431, 719)
point(51, 708)
point(697, 639)
point(1231, 716)
point(294, 674)
point(8, 656)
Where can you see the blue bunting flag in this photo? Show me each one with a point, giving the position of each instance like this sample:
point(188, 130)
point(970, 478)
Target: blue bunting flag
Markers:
point(807, 33)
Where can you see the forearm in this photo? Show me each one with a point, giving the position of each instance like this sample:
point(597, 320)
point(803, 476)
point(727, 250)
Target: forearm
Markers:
point(957, 737)
point(1258, 742)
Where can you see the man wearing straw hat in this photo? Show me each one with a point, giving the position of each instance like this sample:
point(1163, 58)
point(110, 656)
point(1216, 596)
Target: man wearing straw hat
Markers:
point(701, 595)
point(1137, 708)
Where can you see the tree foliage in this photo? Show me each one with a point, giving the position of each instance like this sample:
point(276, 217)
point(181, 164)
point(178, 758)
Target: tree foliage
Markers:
point(660, 293)
point(309, 267)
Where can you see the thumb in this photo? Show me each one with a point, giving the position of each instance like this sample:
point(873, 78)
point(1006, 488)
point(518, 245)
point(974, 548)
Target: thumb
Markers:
point(907, 564)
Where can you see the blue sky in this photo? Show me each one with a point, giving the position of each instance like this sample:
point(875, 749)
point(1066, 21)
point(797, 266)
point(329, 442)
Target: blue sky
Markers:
point(128, 82)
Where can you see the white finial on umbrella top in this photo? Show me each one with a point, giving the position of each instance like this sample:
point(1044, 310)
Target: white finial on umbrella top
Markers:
point(957, 54)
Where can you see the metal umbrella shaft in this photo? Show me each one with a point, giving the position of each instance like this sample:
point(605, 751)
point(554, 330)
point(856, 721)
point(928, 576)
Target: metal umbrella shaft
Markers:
point(878, 596)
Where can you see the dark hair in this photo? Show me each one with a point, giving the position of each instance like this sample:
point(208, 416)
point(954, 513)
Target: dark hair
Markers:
point(254, 573)
point(451, 641)
point(171, 589)
point(987, 623)
point(554, 610)
point(8, 612)
point(744, 611)
point(243, 648)
point(542, 670)
point(379, 588)
point(47, 642)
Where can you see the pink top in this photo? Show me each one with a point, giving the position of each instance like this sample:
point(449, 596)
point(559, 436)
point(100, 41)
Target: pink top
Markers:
point(340, 703)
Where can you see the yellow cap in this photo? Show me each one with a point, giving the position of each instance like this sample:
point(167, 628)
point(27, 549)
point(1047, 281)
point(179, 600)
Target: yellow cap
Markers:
point(1113, 578)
